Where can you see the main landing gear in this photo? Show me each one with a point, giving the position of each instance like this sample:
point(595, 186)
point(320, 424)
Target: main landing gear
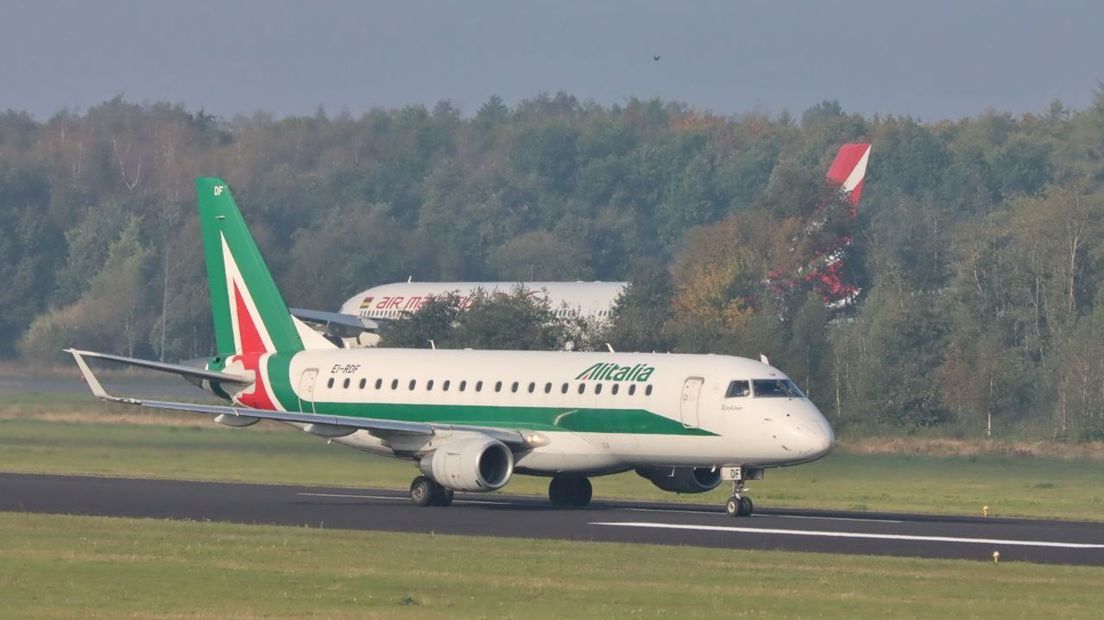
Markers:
point(426, 491)
point(739, 505)
point(565, 490)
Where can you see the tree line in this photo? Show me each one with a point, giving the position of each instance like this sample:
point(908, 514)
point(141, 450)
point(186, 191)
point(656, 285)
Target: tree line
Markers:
point(978, 244)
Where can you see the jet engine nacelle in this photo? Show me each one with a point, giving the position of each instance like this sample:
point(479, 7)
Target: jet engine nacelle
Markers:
point(682, 479)
point(474, 464)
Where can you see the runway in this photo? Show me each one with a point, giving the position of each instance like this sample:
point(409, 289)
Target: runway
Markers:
point(930, 536)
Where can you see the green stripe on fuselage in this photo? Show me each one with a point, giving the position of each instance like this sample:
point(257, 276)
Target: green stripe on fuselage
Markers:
point(579, 420)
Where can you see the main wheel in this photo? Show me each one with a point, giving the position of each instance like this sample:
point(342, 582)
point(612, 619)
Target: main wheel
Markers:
point(581, 492)
point(559, 491)
point(424, 491)
point(733, 505)
point(570, 491)
point(444, 498)
point(746, 506)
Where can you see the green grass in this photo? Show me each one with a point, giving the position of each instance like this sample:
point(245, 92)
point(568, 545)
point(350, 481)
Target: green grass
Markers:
point(199, 449)
point(62, 567)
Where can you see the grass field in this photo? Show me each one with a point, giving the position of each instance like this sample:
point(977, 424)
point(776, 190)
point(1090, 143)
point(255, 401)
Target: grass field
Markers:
point(141, 443)
point(62, 567)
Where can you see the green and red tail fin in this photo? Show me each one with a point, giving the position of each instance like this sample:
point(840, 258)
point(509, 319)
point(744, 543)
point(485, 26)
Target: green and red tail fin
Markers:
point(249, 312)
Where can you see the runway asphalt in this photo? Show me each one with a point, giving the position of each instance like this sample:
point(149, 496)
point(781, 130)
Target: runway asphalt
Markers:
point(930, 536)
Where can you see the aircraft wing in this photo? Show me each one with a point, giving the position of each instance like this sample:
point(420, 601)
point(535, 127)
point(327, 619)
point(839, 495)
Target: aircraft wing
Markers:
point(334, 423)
point(334, 318)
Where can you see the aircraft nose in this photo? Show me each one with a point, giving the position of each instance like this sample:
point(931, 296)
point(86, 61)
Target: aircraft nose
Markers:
point(817, 436)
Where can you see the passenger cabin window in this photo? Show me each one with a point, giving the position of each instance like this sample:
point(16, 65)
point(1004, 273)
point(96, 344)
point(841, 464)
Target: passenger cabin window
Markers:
point(394, 384)
point(776, 388)
point(597, 388)
point(648, 391)
point(363, 382)
point(613, 389)
point(413, 384)
point(563, 390)
point(514, 386)
point(478, 386)
point(346, 383)
point(429, 385)
point(736, 389)
point(498, 386)
point(547, 388)
point(445, 385)
point(532, 387)
point(632, 389)
point(463, 385)
point(379, 383)
point(582, 388)
point(329, 383)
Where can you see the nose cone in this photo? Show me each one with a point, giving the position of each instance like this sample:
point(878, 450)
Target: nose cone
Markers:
point(822, 438)
point(814, 435)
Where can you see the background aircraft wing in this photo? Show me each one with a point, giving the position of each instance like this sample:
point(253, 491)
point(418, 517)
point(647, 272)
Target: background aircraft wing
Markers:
point(334, 318)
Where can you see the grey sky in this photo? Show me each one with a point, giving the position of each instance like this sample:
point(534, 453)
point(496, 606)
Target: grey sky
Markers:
point(933, 59)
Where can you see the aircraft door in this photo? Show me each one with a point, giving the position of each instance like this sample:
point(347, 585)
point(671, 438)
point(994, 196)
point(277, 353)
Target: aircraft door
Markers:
point(691, 391)
point(306, 389)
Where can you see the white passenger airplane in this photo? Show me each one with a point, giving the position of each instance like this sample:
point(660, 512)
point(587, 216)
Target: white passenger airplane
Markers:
point(470, 420)
point(362, 314)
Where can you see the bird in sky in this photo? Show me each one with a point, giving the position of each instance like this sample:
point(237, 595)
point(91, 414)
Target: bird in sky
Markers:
point(656, 57)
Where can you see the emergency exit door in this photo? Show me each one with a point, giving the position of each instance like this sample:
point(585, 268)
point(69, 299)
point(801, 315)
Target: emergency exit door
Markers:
point(691, 392)
point(306, 390)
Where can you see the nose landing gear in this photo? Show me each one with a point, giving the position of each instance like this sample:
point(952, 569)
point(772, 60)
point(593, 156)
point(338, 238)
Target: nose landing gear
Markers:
point(739, 505)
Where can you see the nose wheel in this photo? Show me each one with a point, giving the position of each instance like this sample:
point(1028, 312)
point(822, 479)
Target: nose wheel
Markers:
point(739, 505)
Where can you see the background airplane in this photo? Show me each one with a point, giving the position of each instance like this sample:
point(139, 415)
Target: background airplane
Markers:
point(361, 315)
point(358, 320)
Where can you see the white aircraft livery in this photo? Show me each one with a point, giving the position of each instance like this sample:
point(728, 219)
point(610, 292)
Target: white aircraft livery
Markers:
point(390, 301)
point(471, 420)
point(357, 323)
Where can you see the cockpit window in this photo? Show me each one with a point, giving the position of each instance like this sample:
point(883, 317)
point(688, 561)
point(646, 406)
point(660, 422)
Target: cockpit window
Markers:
point(775, 388)
point(737, 389)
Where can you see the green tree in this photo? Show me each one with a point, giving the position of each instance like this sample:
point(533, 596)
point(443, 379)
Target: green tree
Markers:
point(436, 320)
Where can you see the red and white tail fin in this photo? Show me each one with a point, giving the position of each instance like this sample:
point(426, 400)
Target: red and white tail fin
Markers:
point(848, 169)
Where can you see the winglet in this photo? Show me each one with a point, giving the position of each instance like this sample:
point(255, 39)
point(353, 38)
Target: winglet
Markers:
point(94, 383)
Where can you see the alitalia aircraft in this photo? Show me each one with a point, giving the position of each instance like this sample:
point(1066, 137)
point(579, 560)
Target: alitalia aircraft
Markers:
point(470, 420)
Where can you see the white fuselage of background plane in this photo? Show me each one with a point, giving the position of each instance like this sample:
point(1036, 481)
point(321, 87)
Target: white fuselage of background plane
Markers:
point(391, 301)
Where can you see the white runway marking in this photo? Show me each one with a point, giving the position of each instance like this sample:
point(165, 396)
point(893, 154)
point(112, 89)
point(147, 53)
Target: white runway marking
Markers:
point(951, 539)
point(718, 512)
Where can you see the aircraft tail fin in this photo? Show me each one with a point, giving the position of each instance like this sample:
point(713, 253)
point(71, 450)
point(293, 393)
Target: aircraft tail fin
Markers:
point(848, 169)
point(249, 313)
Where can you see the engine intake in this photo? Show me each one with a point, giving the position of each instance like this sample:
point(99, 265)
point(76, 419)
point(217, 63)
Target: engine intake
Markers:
point(682, 479)
point(476, 464)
